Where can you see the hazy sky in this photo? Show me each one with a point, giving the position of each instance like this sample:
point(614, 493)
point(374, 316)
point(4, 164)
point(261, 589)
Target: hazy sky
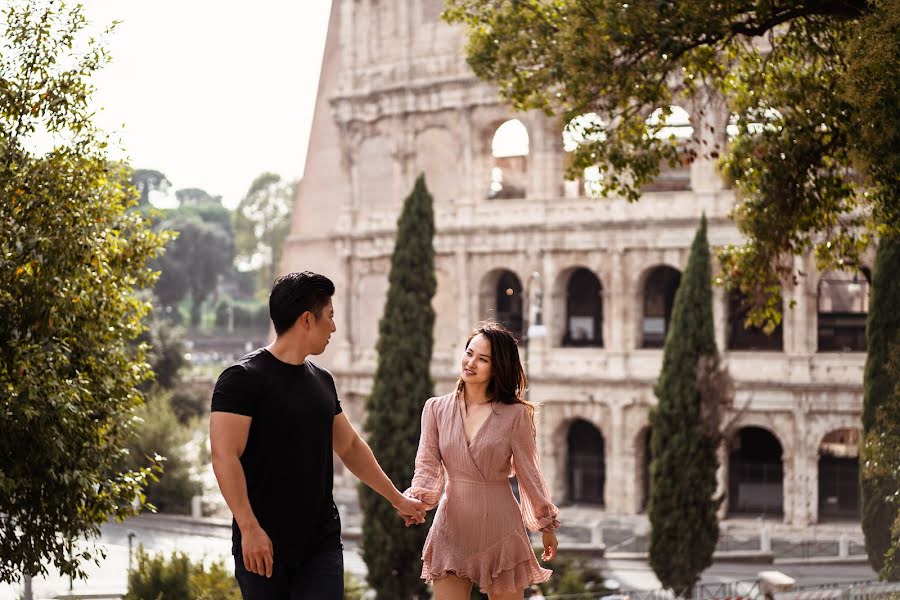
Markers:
point(212, 93)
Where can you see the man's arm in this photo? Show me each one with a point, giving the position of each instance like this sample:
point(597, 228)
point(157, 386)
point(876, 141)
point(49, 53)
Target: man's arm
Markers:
point(228, 438)
point(356, 455)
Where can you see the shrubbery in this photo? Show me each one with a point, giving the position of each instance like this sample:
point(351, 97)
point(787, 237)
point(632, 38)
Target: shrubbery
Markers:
point(158, 431)
point(177, 578)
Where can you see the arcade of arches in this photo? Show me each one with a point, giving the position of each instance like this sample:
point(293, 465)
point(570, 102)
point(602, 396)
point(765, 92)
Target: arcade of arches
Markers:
point(516, 241)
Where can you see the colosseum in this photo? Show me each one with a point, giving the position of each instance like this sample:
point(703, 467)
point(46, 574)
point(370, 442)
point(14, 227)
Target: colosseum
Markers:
point(587, 283)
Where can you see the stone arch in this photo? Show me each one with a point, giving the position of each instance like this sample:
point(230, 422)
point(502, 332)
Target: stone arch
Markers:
point(501, 297)
point(578, 304)
point(585, 128)
point(436, 149)
point(509, 166)
point(842, 301)
point(748, 338)
point(375, 175)
point(657, 287)
point(672, 123)
point(585, 462)
point(756, 475)
point(838, 474)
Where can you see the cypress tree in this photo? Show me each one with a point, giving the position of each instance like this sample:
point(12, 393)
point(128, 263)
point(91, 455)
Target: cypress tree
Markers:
point(879, 493)
point(392, 552)
point(682, 509)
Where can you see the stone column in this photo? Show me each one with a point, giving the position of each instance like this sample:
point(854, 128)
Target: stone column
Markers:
point(618, 490)
point(709, 116)
point(463, 309)
point(545, 172)
point(722, 478)
point(615, 310)
point(469, 171)
point(789, 488)
point(344, 334)
point(720, 317)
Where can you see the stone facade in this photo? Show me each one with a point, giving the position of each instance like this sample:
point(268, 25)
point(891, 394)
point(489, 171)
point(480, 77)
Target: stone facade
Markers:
point(396, 98)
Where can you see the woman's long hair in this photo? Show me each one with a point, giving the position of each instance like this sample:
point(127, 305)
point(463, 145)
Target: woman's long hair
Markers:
point(508, 381)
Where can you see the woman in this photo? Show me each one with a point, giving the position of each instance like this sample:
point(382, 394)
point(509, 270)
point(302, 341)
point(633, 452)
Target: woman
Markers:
point(481, 433)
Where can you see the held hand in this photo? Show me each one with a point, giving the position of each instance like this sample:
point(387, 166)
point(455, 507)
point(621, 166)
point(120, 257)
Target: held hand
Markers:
point(548, 539)
point(412, 510)
point(257, 550)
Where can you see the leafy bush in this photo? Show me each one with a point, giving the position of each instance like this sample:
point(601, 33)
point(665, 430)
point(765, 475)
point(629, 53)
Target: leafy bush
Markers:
point(354, 587)
point(158, 432)
point(189, 402)
point(158, 578)
point(177, 578)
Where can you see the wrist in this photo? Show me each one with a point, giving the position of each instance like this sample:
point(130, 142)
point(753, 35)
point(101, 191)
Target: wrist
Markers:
point(396, 498)
point(247, 523)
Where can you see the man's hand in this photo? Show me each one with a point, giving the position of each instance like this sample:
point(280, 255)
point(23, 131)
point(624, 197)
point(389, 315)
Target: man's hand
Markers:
point(412, 510)
point(256, 548)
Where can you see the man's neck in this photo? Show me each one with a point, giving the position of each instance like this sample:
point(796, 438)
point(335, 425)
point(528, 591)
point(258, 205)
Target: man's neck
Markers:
point(287, 351)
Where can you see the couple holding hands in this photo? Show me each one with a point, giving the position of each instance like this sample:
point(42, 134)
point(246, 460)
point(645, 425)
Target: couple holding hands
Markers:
point(276, 422)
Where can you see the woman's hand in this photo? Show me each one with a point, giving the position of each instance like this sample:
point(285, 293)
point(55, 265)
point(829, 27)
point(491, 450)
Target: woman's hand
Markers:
point(410, 509)
point(548, 539)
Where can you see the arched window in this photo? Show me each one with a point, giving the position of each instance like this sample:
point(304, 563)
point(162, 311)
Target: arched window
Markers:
point(509, 148)
point(584, 310)
point(672, 123)
point(748, 338)
point(586, 469)
point(659, 297)
point(843, 301)
point(839, 475)
point(755, 473)
point(582, 129)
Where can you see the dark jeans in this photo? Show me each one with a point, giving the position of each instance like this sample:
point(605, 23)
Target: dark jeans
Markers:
point(321, 577)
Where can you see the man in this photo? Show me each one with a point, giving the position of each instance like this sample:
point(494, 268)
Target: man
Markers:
point(275, 420)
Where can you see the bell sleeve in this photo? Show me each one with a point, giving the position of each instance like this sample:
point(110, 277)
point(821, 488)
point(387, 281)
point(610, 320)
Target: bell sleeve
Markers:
point(428, 481)
point(538, 512)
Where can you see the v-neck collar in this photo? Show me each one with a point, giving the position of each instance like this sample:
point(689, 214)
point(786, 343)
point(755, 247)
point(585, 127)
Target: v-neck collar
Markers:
point(462, 422)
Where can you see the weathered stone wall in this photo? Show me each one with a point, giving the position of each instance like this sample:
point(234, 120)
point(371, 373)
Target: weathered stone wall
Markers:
point(395, 99)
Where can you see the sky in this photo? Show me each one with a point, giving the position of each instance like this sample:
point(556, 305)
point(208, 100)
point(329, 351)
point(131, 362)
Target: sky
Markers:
point(211, 94)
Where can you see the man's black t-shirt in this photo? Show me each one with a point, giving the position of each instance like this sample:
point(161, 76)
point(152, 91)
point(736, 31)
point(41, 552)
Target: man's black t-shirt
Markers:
point(288, 457)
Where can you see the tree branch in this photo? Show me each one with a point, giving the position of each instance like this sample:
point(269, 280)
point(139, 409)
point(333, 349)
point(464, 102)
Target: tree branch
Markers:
point(846, 9)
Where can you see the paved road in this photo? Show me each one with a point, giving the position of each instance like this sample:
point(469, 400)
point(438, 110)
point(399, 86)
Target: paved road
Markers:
point(213, 543)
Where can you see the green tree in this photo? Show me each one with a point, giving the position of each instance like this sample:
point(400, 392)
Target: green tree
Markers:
point(193, 262)
point(166, 351)
point(262, 221)
point(71, 259)
point(880, 484)
point(149, 180)
point(196, 196)
point(402, 385)
point(813, 87)
point(682, 508)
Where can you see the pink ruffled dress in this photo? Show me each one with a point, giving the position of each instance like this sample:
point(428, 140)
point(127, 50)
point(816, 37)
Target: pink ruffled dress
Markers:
point(478, 531)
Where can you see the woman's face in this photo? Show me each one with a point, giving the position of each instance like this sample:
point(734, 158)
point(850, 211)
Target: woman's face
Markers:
point(476, 361)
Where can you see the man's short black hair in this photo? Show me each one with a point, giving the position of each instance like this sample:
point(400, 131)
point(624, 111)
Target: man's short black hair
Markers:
point(294, 294)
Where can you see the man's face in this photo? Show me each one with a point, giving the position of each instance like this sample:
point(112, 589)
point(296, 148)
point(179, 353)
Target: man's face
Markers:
point(322, 328)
